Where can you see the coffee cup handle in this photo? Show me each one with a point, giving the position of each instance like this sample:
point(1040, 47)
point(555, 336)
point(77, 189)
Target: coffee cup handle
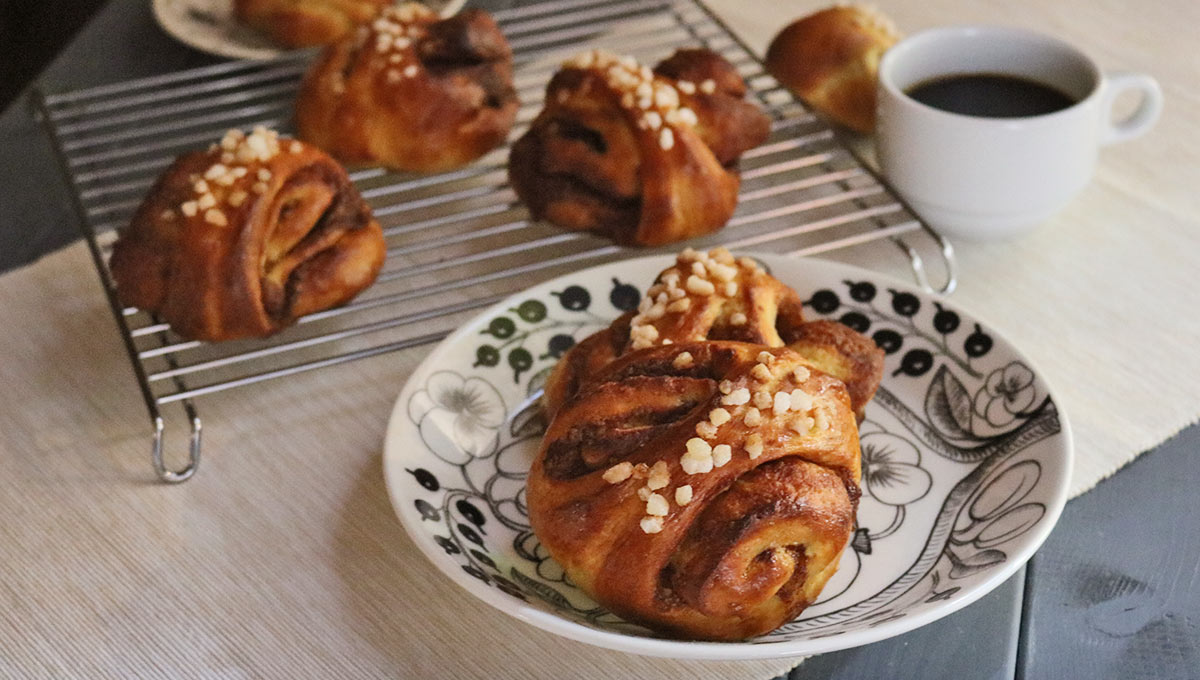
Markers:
point(1142, 119)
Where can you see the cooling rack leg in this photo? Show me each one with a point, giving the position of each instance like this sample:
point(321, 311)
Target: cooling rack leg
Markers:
point(160, 468)
point(918, 264)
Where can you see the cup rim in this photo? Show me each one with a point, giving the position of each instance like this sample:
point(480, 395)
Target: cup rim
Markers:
point(886, 64)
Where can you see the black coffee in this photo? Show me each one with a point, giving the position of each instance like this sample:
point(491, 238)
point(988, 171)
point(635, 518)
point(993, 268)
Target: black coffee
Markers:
point(990, 95)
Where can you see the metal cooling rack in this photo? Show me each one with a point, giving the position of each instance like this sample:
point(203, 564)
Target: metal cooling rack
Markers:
point(457, 241)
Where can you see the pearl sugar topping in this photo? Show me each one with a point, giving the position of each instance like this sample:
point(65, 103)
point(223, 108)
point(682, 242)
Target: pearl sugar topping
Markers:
point(760, 397)
point(657, 98)
point(394, 31)
point(236, 154)
point(696, 275)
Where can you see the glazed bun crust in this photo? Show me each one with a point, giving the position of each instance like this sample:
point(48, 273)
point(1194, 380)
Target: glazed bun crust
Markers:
point(830, 60)
point(641, 156)
point(759, 532)
point(231, 245)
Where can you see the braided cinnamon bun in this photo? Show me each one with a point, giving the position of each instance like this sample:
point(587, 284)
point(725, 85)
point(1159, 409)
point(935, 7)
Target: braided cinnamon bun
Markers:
point(411, 91)
point(830, 59)
point(704, 489)
point(712, 296)
point(243, 239)
point(642, 156)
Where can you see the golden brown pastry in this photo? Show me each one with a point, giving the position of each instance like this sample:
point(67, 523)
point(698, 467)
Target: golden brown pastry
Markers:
point(411, 92)
point(643, 157)
point(703, 489)
point(304, 23)
point(243, 239)
point(712, 296)
point(830, 60)
point(842, 352)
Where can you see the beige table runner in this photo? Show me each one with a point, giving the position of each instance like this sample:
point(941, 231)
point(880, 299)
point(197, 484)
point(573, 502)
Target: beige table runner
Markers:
point(283, 557)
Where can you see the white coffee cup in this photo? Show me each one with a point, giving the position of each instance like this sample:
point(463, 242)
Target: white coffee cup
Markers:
point(978, 178)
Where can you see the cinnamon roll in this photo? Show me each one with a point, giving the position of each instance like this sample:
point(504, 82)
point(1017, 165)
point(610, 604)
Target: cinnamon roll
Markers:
point(703, 489)
point(244, 238)
point(411, 91)
point(713, 296)
point(642, 156)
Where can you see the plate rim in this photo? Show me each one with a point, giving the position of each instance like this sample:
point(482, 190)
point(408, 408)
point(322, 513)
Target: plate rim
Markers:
point(709, 650)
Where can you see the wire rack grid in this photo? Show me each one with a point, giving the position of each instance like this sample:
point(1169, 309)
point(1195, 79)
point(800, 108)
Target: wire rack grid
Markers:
point(457, 241)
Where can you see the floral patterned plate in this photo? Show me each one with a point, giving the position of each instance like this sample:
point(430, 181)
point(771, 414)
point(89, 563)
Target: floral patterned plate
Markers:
point(966, 460)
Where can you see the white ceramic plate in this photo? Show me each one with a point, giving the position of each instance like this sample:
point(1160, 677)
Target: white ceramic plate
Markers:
point(209, 26)
point(966, 460)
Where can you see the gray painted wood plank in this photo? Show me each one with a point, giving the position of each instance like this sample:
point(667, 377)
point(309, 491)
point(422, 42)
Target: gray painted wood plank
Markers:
point(1115, 592)
point(978, 642)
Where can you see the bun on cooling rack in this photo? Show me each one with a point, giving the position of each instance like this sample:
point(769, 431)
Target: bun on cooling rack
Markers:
point(699, 474)
point(712, 296)
point(411, 91)
point(830, 59)
point(641, 156)
point(304, 23)
point(243, 239)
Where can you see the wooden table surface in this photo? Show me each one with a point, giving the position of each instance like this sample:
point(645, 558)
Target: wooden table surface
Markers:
point(1114, 593)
